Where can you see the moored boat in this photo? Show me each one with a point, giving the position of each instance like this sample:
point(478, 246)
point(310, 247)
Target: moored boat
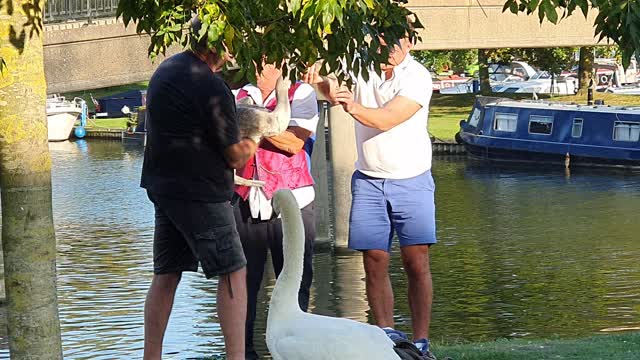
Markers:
point(61, 116)
point(555, 133)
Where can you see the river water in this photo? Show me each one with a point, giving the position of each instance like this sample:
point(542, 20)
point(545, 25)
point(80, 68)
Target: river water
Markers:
point(523, 252)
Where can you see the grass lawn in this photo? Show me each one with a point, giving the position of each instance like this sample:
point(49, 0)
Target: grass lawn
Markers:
point(447, 110)
point(112, 123)
point(618, 347)
point(604, 347)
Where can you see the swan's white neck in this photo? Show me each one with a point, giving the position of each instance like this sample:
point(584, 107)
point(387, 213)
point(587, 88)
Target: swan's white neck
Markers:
point(282, 96)
point(284, 299)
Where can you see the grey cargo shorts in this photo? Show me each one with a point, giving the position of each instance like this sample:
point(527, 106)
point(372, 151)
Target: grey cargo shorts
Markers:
point(189, 232)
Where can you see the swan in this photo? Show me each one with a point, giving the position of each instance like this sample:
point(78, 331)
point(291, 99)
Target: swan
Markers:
point(255, 122)
point(295, 335)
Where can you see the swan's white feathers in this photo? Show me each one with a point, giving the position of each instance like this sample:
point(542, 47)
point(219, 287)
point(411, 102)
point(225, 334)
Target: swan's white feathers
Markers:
point(315, 337)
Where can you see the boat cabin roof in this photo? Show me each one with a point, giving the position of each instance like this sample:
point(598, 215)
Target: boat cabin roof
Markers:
point(551, 105)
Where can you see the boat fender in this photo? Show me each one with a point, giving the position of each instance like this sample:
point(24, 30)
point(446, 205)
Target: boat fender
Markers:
point(80, 132)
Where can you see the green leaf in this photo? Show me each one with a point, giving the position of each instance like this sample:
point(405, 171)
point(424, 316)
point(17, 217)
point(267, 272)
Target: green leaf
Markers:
point(584, 6)
point(549, 10)
point(229, 34)
point(203, 30)
point(212, 34)
point(508, 5)
point(513, 7)
point(533, 4)
point(295, 6)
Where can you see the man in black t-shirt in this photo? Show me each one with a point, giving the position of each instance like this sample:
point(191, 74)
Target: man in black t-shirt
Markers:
point(193, 145)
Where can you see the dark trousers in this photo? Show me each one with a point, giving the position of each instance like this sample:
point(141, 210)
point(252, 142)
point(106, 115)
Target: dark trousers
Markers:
point(259, 236)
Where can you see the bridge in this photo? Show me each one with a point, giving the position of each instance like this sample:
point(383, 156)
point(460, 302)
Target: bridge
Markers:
point(85, 47)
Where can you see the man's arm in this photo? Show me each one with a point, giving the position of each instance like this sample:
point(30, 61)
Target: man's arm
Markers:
point(239, 153)
point(394, 112)
point(411, 98)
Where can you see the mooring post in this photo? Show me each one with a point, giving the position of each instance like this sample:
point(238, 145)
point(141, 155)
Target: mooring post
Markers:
point(321, 180)
point(343, 157)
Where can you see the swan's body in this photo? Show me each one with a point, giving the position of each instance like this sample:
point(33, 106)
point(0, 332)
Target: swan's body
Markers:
point(295, 335)
point(255, 122)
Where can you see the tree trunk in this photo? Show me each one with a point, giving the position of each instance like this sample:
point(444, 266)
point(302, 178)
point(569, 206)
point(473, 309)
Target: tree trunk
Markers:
point(28, 238)
point(485, 84)
point(585, 67)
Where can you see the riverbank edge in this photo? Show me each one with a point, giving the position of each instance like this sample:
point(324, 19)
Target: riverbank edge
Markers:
point(438, 147)
point(620, 346)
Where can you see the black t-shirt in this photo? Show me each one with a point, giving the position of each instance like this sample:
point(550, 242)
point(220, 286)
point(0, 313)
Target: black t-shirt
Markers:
point(191, 119)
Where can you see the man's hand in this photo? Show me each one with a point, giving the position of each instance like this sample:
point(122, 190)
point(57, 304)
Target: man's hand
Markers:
point(238, 153)
point(250, 146)
point(344, 97)
point(326, 86)
point(312, 75)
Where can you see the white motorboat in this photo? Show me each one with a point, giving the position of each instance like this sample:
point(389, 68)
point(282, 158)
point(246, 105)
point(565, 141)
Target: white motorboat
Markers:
point(540, 83)
point(499, 76)
point(624, 90)
point(61, 116)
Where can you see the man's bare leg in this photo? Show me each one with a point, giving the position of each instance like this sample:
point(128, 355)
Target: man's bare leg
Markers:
point(232, 311)
point(378, 285)
point(157, 309)
point(415, 259)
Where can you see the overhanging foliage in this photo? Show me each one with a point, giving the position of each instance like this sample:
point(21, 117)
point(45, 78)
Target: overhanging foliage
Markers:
point(341, 32)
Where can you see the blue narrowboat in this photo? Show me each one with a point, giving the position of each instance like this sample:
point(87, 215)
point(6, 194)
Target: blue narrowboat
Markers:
point(555, 133)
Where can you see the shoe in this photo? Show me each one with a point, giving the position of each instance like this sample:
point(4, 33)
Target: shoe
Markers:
point(423, 346)
point(394, 334)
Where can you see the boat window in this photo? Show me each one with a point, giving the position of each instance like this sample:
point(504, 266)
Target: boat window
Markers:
point(505, 122)
point(475, 118)
point(626, 131)
point(576, 131)
point(540, 125)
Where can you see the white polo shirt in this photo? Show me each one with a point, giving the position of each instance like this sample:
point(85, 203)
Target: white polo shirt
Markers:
point(304, 113)
point(405, 150)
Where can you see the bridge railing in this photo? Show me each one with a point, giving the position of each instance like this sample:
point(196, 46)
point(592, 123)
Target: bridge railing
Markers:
point(68, 10)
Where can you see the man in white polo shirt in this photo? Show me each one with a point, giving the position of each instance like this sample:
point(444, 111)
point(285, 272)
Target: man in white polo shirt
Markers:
point(392, 187)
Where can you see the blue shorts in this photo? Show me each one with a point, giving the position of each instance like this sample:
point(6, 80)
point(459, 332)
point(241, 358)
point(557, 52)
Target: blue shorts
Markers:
point(381, 206)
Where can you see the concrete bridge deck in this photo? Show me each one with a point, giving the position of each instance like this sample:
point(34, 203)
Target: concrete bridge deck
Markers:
point(85, 56)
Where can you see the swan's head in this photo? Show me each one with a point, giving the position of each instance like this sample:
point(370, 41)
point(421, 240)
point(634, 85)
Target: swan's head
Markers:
point(282, 199)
